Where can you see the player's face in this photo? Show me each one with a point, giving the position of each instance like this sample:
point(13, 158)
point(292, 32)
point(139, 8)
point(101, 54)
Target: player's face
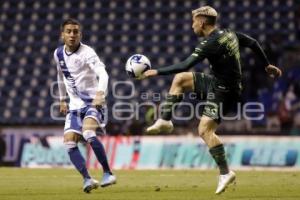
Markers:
point(71, 36)
point(198, 26)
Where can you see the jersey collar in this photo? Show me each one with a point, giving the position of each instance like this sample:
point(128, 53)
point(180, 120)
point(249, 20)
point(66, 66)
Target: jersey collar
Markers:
point(214, 32)
point(68, 54)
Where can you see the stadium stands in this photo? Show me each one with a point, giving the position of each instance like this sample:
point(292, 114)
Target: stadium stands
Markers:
point(117, 29)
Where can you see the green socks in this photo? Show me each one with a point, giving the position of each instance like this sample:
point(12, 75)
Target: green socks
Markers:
point(218, 153)
point(166, 109)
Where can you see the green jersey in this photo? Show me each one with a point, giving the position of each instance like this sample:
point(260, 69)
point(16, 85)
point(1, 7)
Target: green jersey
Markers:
point(222, 49)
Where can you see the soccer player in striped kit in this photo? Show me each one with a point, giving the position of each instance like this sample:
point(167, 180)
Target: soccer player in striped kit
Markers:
point(82, 76)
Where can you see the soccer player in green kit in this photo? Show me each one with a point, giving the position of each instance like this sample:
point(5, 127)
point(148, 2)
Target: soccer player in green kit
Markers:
point(221, 90)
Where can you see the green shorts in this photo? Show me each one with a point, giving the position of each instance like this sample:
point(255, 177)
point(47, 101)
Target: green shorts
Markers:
point(218, 99)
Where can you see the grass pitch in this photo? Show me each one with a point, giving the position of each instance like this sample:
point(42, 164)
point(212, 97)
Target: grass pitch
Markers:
point(56, 184)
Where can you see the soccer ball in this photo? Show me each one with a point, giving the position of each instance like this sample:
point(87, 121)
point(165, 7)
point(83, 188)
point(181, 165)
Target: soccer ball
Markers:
point(136, 65)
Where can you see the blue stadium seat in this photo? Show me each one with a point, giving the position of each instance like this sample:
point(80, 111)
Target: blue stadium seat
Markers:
point(117, 29)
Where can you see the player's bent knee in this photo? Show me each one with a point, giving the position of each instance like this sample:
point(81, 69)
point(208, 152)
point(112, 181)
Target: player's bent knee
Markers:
point(90, 124)
point(178, 79)
point(184, 79)
point(70, 145)
point(88, 134)
point(70, 137)
point(186, 75)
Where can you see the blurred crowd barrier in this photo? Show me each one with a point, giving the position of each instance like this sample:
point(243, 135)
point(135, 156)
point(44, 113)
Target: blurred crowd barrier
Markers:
point(44, 148)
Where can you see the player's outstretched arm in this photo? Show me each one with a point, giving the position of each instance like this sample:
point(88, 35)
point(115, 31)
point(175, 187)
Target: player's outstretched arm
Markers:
point(172, 69)
point(273, 71)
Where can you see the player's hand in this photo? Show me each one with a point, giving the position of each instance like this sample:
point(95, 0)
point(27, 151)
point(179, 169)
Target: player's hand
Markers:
point(99, 100)
point(149, 73)
point(273, 72)
point(63, 107)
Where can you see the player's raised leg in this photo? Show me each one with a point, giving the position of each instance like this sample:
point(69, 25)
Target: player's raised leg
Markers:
point(89, 134)
point(70, 141)
point(207, 128)
point(182, 82)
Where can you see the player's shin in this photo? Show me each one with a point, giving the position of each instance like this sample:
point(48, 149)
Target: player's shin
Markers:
point(218, 154)
point(97, 146)
point(167, 106)
point(77, 159)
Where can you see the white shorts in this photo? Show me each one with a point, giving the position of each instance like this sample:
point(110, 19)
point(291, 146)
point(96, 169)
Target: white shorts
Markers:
point(74, 118)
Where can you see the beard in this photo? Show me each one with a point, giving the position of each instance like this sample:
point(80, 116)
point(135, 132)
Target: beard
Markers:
point(200, 34)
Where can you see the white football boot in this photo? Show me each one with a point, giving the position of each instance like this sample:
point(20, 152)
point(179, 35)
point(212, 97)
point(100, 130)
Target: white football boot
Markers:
point(108, 179)
point(161, 125)
point(224, 181)
point(90, 184)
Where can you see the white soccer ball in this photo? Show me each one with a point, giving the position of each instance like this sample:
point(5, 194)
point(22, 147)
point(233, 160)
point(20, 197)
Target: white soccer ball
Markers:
point(136, 65)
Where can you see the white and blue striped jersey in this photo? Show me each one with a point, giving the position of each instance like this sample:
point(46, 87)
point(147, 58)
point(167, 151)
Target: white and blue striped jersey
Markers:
point(80, 74)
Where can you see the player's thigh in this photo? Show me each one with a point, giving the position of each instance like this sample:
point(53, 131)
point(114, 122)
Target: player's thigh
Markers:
point(90, 123)
point(215, 103)
point(232, 102)
point(220, 100)
point(207, 125)
point(73, 123)
point(94, 118)
point(184, 80)
point(71, 136)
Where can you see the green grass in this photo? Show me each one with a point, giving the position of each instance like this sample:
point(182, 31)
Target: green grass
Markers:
point(56, 184)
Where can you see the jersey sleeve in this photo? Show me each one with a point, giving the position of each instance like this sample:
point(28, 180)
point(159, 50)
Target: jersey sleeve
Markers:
point(178, 67)
point(94, 62)
point(60, 80)
point(247, 41)
point(203, 50)
point(198, 55)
